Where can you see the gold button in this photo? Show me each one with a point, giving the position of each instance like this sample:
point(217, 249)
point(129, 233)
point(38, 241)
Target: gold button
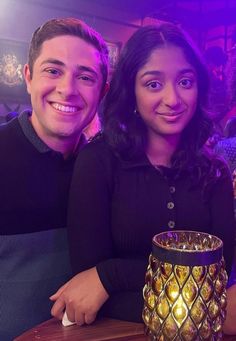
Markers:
point(170, 205)
point(171, 224)
point(172, 189)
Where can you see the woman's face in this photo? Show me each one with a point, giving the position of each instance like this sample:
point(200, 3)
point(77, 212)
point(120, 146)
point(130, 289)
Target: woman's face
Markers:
point(166, 92)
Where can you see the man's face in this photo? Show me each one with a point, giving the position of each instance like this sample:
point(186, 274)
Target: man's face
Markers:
point(65, 89)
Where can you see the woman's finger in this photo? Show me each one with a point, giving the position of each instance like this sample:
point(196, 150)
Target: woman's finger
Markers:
point(89, 318)
point(55, 296)
point(58, 308)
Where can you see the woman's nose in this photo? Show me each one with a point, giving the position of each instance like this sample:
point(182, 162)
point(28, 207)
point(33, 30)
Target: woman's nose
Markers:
point(171, 96)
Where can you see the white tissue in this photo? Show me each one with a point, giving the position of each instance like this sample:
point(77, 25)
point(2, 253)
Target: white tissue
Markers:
point(65, 321)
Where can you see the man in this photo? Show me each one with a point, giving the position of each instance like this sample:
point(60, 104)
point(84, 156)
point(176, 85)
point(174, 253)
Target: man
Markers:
point(66, 78)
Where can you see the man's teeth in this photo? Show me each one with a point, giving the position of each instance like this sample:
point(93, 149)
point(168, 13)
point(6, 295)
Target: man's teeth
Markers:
point(64, 108)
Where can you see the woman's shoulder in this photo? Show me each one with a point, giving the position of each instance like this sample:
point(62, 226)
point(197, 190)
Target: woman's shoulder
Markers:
point(97, 150)
point(96, 145)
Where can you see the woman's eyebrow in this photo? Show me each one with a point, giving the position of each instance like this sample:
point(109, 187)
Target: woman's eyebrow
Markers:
point(152, 73)
point(187, 70)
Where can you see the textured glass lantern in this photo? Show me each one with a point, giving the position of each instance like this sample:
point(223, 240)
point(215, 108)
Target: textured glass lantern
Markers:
point(185, 287)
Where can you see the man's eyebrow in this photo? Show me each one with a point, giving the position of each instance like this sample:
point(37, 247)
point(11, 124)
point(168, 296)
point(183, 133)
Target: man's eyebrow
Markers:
point(87, 69)
point(60, 63)
point(53, 61)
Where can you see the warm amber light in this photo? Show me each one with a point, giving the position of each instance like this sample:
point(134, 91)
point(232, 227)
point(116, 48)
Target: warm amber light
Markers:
point(180, 310)
point(185, 302)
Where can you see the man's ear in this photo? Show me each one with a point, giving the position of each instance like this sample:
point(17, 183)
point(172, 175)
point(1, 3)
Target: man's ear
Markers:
point(27, 77)
point(105, 90)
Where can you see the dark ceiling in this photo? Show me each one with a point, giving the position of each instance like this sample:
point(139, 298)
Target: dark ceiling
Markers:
point(191, 13)
point(140, 7)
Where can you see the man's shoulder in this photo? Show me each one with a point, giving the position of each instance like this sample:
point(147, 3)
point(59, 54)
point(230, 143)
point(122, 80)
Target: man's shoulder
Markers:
point(12, 139)
point(9, 126)
point(6, 129)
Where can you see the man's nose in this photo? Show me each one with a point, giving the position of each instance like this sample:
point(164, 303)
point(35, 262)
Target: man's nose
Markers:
point(67, 86)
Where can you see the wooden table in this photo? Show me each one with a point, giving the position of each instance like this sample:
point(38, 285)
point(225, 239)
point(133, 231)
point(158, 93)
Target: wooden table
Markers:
point(105, 329)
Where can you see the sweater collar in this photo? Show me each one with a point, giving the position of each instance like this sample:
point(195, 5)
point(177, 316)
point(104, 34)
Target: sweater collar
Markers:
point(32, 136)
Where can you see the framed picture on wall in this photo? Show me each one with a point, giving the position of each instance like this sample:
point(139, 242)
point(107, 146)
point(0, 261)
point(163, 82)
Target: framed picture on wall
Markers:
point(114, 52)
point(13, 56)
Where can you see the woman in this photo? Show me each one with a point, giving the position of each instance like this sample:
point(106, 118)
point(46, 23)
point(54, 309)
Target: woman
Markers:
point(147, 173)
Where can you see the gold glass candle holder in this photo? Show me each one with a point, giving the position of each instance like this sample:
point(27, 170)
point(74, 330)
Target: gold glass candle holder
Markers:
point(185, 287)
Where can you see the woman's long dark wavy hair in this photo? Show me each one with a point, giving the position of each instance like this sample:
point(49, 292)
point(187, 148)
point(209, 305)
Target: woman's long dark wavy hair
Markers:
point(125, 131)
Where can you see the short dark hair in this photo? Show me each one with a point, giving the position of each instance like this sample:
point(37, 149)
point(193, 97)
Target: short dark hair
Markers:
point(68, 26)
point(125, 131)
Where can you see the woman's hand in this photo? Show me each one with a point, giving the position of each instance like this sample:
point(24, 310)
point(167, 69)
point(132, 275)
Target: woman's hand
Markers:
point(81, 297)
point(229, 326)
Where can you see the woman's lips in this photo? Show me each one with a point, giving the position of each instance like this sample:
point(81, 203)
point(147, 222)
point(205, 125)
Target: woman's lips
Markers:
point(171, 116)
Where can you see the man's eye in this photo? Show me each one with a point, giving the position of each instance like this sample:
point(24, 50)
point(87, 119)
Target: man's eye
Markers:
point(186, 83)
point(86, 78)
point(154, 85)
point(52, 71)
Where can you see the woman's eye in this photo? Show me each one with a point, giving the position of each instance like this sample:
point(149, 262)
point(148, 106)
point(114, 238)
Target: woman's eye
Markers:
point(186, 83)
point(154, 85)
